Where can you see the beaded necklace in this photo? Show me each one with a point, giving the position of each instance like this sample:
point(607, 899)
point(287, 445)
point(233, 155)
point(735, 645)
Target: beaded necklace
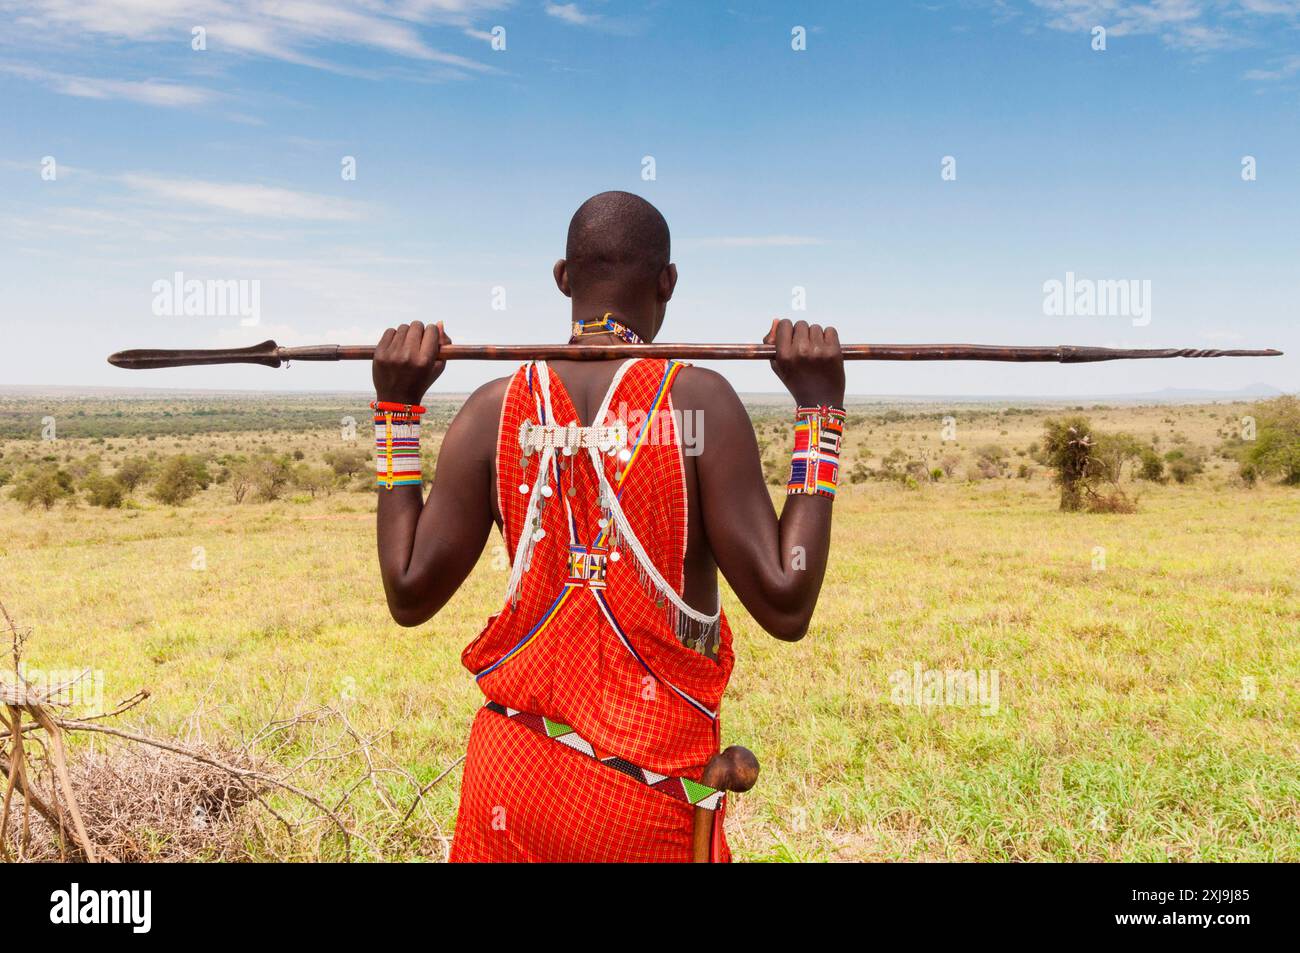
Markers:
point(605, 325)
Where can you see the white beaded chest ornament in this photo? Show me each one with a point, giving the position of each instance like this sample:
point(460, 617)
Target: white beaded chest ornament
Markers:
point(553, 440)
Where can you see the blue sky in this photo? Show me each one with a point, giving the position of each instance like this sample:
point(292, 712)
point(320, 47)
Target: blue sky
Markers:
point(818, 169)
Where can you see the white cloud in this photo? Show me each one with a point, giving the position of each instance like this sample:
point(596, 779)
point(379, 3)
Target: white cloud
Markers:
point(285, 30)
point(569, 13)
point(1285, 70)
point(150, 92)
point(244, 199)
point(1271, 6)
point(1195, 25)
point(575, 15)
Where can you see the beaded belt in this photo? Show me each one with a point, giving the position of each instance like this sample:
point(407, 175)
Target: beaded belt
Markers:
point(682, 789)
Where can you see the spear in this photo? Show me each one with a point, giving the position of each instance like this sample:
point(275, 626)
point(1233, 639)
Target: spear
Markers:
point(270, 354)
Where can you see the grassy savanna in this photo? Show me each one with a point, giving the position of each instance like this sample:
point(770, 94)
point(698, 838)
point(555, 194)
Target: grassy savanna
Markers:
point(1147, 664)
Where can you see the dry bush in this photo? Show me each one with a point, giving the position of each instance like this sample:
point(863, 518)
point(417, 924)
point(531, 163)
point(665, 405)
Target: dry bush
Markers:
point(1116, 501)
point(142, 804)
point(155, 799)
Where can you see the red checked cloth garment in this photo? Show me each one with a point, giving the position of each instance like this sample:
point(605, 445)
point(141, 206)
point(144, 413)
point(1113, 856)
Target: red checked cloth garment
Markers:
point(606, 662)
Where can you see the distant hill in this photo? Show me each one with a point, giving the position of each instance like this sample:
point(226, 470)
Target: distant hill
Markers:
point(1183, 394)
point(1168, 395)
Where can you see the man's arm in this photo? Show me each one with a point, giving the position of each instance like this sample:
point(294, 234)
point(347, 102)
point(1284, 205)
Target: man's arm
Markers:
point(755, 550)
point(428, 547)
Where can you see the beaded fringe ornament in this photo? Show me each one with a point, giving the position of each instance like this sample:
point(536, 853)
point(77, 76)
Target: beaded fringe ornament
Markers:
point(532, 532)
point(695, 630)
point(534, 438)
point(550, 440)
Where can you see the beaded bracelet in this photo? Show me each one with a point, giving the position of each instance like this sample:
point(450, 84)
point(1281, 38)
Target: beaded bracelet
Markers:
point(397, 444)
point(407, 409)
point(815, 462)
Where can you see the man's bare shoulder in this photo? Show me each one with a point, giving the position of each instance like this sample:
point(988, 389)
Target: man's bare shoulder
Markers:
point(714, 407)
point(486, 400)
point(698, 388)
point(474, 429)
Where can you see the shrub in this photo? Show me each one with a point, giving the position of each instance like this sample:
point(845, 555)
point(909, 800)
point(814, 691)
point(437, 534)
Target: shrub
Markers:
point(1112, 452)
point(1068, 446)
point(1276, 448)
point(990, 461)
point(1183, 467)
point(180, 478)
point(271, 475)
point(238, 477)
point(1088, 465)
point(105, 491)
point(916, 472)
point(315, 480)
point(42, 485)
point(347, 463)
point(134, 471)
point(81, 469)
point(775, 472)
point(1113, 502)
point(1152, 467)
point(893, 465)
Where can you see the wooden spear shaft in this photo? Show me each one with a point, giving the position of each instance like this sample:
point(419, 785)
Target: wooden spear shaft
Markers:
point(270, 354)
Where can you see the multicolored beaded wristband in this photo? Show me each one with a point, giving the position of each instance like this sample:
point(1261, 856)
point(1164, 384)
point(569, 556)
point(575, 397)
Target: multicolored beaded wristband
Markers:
point(407, 409)
point(815, 463)
point(397, 444)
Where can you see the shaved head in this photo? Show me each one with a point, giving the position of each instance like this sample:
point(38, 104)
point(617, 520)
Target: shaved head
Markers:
point(616, 237)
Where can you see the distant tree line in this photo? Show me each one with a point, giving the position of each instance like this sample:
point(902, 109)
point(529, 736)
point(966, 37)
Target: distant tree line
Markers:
point(262, 476)
point(1090, 467)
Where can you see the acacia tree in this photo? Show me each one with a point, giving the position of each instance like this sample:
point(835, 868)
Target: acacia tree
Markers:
point(1068, 449)
point(272, 475)
point(1112, 453)
point(1276, 449)
point(347, 463)
point(134, 471)
point(43, 486)
point(179, 479)
point(315, 479)
point(239, 478)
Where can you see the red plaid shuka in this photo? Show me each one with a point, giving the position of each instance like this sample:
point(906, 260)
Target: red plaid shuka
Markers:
point(586, 645)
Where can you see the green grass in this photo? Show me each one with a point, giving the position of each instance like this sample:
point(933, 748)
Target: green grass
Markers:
point(1122, 730)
